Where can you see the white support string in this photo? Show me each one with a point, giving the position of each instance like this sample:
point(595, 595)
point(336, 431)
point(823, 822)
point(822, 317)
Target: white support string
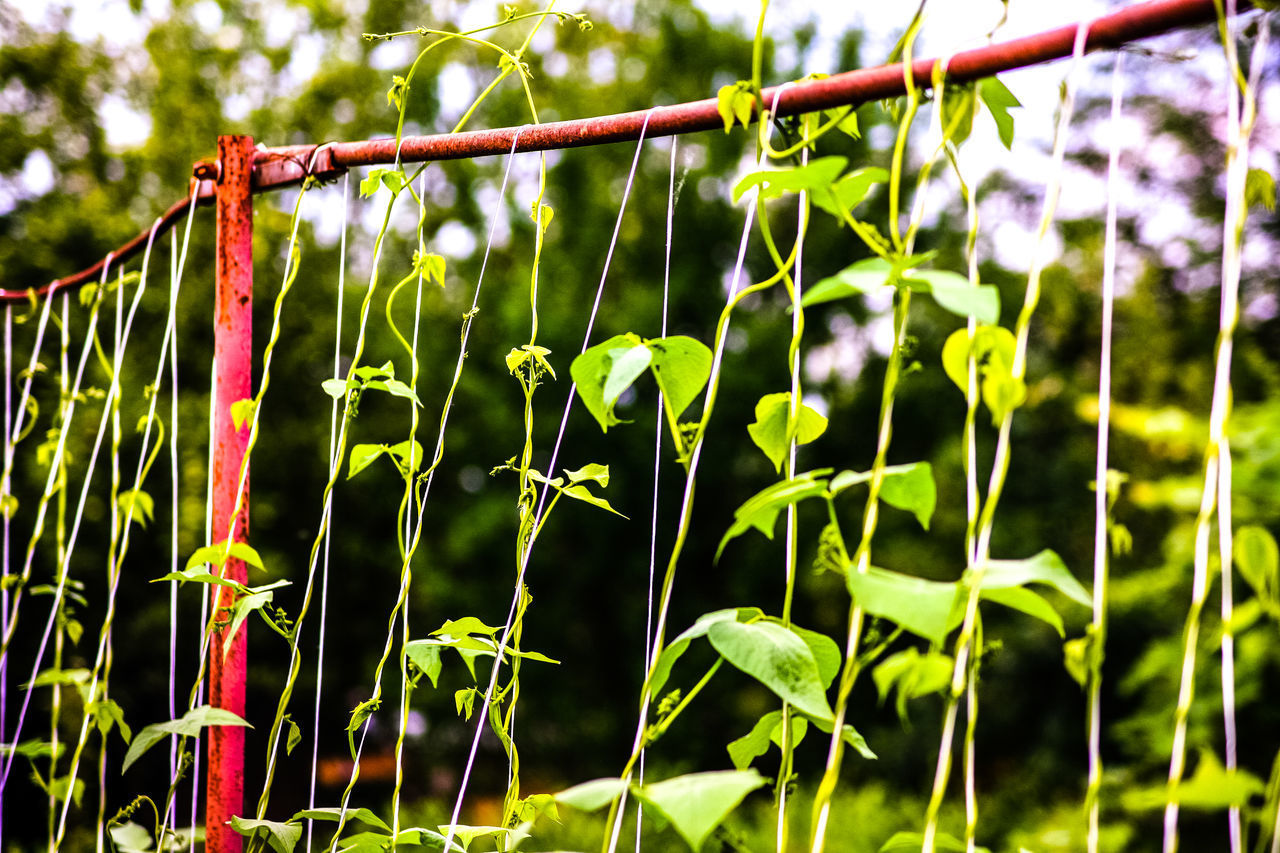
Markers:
point(498, 659)
point(54, 465)
point(103, 654)
point(444, 419)
point(5, 513)
point(333, 463)
point(672, 192)
point(1101, 496)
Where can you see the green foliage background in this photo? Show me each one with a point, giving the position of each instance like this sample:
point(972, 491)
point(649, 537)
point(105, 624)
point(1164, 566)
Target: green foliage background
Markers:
point(193, 81)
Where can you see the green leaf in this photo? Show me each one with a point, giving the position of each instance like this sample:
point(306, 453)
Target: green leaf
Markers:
point(362, 456)
point(107, 714)
point(130, 838)
point(335, 388)
point(592, 471)
point(295, 736)
point(244, 605)
point(957, 294)
point(826, 654)
point(1028, 602)
point(1255, 554)
point(910, 842)
point(697, 803)
point(771, 431)
point(777, 658)
point(426, 657)
point(625, 366)
point(959, 104)
point(590, 372)
point(1211, 788)
point(281, 837)
point(430, 267)
point(242, 413)
point(735, 103)
point(910, 488)
point(993, 350)
point(199, 574)
point(217, 554)
point(392, 179)
point(395, 388)
point(582, 493)
point(816, 177)
point(911, 675)
point(136, 505)
point(848, 124)
point(859, 277)
point(465, 625)
point(408, 456)
point(699, 628)
point(767, 730)
point(999, 100)
point(848, 192)
point(541, 215)
point(761, 509)
point(188, 725)
point(1045, 567)
point(681, 366)
point(593, 795)
point(335, 814)
point(1260, 188)
point(921, 606)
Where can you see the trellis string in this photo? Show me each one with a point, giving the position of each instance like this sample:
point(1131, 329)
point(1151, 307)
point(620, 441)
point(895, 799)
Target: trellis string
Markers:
point(672, 192)
point(334, 462)
point(538, 515)
point(43, 506)
point(1101, 558)
point(439, 451)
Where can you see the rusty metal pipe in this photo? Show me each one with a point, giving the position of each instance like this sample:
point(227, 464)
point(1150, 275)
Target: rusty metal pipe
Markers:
point(290, 165)
point(233, 366)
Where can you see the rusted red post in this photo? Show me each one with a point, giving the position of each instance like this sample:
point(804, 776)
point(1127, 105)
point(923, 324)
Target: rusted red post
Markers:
point(233, 354)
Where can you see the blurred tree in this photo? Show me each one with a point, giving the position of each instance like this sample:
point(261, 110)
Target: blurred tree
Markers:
point(300, 72)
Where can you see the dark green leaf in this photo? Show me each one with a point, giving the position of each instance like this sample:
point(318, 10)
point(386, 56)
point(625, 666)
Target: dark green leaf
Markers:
point(770, 431)
point(699, 628)
point(957, 294)
point(761, 510)
point(777, 658)
point(281, 837)
point(816, 177)
point(860, 277)
point(999, 100)
point(188, 725)
point(681, 366)
point(593, 795)
point(1045, 567)
point(697, 803)
point(921, 606)
point(850, 190)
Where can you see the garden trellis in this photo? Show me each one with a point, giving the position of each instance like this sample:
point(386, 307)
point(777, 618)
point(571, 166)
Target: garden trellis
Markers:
point(986, 362)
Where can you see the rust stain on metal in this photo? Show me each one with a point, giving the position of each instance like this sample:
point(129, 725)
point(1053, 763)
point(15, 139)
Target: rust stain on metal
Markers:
point(233, 354)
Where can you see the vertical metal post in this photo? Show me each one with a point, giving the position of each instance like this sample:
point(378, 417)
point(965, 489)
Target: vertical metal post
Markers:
point(233, 354)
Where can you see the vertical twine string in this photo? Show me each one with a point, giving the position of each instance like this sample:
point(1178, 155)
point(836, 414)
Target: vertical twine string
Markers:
point(498, 658)
point(672, 192)
point(333, 463)
point(1101, 489)
point(53, 472)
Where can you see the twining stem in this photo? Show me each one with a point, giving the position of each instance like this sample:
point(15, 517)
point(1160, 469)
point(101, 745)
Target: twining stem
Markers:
point(1217, 476)
point(686, 512)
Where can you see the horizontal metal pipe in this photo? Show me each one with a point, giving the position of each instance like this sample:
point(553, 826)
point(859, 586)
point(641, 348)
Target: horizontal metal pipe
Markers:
point(275, 168)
